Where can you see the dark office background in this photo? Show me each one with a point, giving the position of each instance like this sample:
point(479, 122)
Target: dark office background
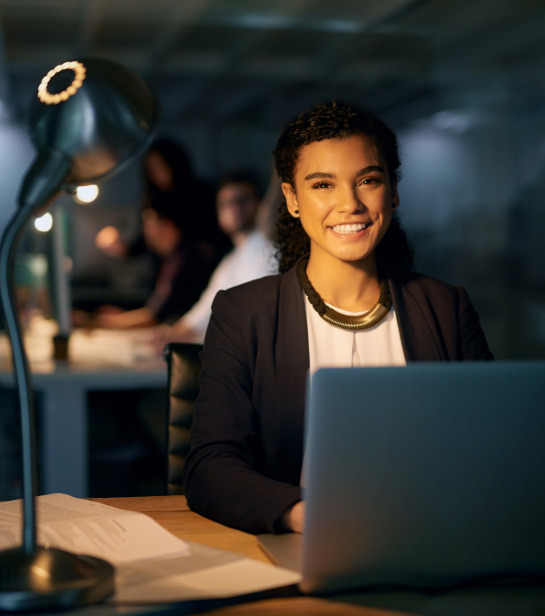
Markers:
point(462, 83)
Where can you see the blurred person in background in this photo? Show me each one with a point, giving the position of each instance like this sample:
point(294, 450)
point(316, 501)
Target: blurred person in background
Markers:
point(244, 217)
point(183, 273)
point(168, 176)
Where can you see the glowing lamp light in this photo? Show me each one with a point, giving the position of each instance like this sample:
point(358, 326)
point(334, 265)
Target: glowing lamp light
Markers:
point(86, 194)
point(44, 223)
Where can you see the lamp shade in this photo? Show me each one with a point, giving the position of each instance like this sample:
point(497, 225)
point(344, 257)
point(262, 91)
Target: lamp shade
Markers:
point(89, 119)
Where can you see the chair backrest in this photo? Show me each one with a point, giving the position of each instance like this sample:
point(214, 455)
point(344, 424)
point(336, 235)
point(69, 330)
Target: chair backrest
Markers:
point(184, 365)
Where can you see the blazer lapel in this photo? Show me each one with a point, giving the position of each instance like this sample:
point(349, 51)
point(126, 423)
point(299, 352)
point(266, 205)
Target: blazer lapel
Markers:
point(419, 336)
point(292, 363)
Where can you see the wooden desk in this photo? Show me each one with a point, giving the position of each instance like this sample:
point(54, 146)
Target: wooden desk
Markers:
point(99, 360)
point(173, 513)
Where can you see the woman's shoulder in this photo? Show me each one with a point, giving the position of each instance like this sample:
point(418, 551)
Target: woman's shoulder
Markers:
point(429, 288)
point(257, 300)
point(423, 281)
point(251, 310)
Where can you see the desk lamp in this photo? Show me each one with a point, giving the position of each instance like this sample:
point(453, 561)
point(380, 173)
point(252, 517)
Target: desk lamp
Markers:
point(89, 119)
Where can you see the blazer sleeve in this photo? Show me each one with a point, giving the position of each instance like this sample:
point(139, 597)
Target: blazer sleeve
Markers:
point(227, 472)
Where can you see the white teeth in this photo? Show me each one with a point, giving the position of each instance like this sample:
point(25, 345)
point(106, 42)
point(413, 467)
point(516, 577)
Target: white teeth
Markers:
point(354, 228)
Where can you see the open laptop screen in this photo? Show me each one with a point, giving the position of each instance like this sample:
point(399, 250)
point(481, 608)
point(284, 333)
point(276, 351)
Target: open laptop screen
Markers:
point(424, 475)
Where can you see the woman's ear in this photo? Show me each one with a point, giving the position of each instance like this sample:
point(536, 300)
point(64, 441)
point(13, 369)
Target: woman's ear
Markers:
point(291, 199)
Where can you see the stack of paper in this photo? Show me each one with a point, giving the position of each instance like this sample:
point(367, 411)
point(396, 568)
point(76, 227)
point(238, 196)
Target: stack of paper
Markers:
point(152, 565)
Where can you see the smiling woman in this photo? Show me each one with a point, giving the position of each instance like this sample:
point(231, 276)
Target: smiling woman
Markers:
point(346, 297)
point(344, 197)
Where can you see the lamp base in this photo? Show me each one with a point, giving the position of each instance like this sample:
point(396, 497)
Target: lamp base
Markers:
point(50, 578)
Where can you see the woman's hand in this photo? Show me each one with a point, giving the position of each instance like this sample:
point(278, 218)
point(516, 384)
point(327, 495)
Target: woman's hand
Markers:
point(294, 518)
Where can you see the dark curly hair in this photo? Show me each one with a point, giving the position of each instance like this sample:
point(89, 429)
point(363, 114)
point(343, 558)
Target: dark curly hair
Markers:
point(336, 120)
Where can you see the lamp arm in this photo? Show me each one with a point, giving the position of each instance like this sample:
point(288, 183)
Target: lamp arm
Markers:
point(33, 195)
point(45, 179)
point(21, 373)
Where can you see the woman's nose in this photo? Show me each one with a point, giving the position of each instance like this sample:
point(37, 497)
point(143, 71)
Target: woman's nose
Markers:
point(350, 201)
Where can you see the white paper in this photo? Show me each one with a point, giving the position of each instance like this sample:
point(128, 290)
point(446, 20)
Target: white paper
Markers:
point(85, 527)
point(151, 564)
point(238, 577)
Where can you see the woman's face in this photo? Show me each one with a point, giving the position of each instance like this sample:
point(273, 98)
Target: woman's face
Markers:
point(160, 234)
point(159, 171)
point(344, 197)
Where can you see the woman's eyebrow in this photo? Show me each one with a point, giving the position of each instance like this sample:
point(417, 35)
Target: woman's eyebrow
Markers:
point(319, 174)
point(324, 174)
point(371, 168)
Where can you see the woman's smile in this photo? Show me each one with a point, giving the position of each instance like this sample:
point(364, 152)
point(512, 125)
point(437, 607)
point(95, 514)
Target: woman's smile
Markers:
point(351, 229)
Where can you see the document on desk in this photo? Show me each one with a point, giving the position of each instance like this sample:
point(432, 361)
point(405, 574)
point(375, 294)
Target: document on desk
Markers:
point(86, 527)
point(152, 565)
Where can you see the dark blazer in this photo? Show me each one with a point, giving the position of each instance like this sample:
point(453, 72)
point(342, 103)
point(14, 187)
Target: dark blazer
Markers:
point(244, 466)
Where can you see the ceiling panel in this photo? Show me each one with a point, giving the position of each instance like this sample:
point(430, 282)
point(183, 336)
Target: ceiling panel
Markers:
point(234, 60)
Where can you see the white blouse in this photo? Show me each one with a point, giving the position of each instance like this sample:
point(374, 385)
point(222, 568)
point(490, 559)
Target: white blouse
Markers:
point(331, 346)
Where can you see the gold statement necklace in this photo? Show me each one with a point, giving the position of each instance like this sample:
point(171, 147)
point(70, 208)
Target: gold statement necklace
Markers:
point(344, 321)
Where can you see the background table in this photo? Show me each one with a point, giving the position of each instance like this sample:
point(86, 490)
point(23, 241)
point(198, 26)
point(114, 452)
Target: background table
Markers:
point(100, 360)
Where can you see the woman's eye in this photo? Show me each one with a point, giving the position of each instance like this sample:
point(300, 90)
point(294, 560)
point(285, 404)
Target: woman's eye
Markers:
point(321, 185)
point(370, 181)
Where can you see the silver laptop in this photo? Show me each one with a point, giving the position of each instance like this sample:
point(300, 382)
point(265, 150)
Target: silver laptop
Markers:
point(423, 476)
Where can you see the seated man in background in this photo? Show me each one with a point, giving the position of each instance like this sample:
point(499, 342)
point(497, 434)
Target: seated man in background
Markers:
point(244, 217)
point(183, 273)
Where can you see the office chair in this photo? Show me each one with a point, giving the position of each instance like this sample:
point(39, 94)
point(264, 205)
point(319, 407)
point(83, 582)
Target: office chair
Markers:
point(183, 365)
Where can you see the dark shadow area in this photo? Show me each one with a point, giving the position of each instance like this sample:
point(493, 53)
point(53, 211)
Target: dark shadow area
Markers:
point(10, 467)
point(127, 443)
